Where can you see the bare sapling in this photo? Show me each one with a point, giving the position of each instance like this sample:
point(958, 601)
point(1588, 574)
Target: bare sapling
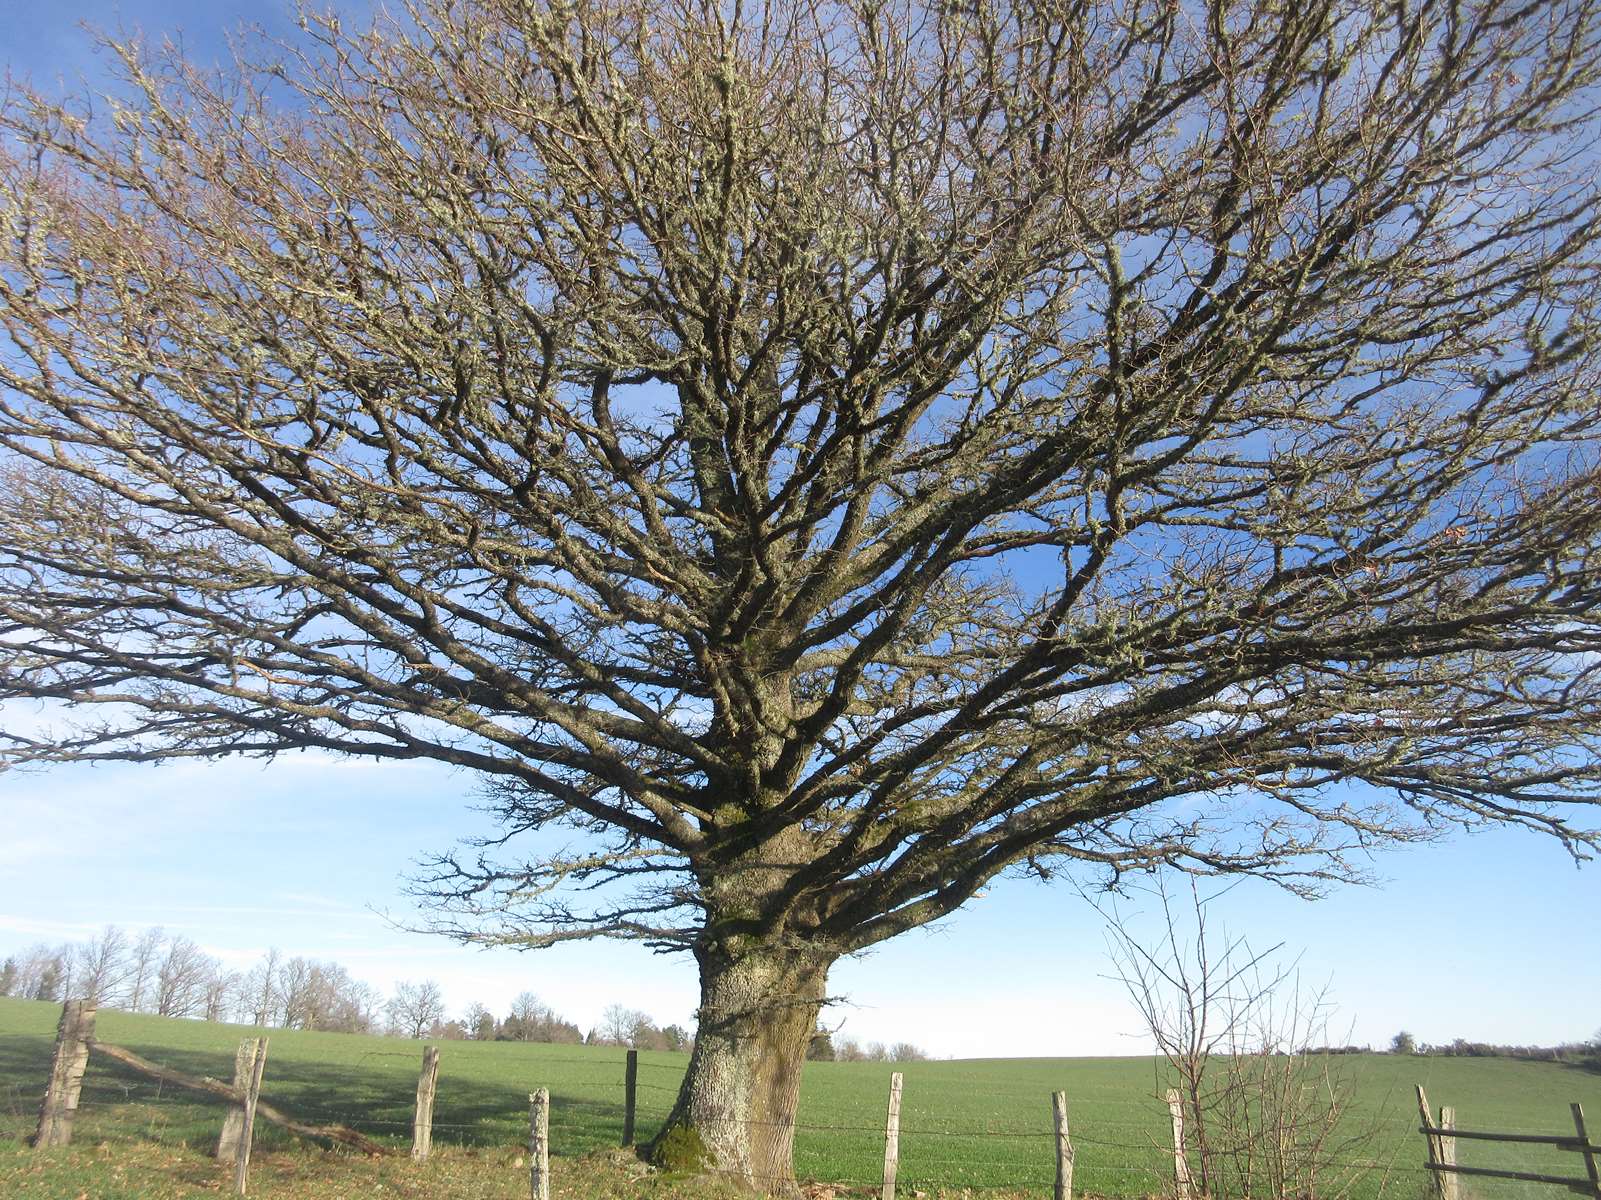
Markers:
point(1241, 1042)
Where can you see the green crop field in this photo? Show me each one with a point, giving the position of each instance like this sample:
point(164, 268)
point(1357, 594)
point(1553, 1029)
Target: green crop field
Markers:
point(979, 1124)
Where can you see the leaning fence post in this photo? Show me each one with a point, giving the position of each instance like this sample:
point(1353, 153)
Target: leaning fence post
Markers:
point(1181, 1164)
point(1590, 1167)
point(233, 1124)
point(630, 1085)
point(74, 1032)
point(539, 1145)
point(1435, 1146)
point(1064, 1148)
point(247, 1132)
point(422, 1121)
point(892, 1137)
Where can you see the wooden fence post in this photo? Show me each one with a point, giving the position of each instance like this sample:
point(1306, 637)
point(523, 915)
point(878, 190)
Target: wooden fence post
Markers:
point(422, 1121)
point(247, 1133)
point(1181, 1164)
point(1064, 1148)
point(1452, 1187)
point(892, 1137)
point(1590, 1166)
point(539, 1145)
point(630, 1086)
point(1435, 1147)
point(74, 1032)
point(233, 1124)
point(1442, 1137)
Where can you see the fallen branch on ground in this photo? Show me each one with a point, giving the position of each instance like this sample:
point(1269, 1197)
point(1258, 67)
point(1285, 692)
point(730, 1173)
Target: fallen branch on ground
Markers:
point(223, 1091)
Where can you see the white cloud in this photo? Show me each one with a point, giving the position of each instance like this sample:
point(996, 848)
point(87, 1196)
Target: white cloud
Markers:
point(50, 931)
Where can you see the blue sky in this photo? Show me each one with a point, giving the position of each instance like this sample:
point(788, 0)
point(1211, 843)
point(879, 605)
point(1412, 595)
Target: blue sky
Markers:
point(1483, 937)
point(1479, 937)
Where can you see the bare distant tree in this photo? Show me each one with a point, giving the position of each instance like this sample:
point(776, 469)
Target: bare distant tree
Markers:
point(31, 966)
point(645, 1034)
point(415, 1008)
point(624, 1026)
point(903, 1052)
point(142, 958)
point(357, 1007)
point(479, 1023)
point(618, 1023)
point(101, 967)
point(182, 978)
point(296, 987)
point(64, 963)
point(326, 1005)
point(260, 990)
point(827, 454)
point(221, 993)
point(311, 994)
point(525, 1016)
point(531, 1020)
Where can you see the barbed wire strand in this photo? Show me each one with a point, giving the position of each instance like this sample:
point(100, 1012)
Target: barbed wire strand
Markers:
point(916, 1159)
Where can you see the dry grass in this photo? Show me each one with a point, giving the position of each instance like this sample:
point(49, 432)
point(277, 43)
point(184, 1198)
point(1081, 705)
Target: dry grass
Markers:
point(134, 1170)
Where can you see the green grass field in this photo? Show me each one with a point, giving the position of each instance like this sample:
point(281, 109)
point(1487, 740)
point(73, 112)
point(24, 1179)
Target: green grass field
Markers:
point(979, 1124)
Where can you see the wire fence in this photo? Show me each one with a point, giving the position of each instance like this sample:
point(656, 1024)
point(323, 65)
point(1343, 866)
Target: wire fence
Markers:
point(1016, 1161)
point(1121, 1147)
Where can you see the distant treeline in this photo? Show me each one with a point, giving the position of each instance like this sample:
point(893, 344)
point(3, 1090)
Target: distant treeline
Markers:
point(1587, 1053)
point(826, 1047)
point(151, 971)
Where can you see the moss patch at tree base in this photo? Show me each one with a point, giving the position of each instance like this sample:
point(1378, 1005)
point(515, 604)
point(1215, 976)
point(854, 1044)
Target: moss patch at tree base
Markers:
point(679, 1150)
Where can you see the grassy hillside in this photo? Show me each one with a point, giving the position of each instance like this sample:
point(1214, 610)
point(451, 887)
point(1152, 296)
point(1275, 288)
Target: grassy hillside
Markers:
point(975, 1123)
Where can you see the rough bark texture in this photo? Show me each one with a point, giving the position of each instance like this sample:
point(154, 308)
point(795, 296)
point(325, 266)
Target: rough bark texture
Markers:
point(74, 1034)
point(233, 1125)
point(422, 1125)
point(757, 1015)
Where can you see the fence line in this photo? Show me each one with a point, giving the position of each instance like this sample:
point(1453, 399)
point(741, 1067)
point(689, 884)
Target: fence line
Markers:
point(915, 1155)
point(1441, 1135)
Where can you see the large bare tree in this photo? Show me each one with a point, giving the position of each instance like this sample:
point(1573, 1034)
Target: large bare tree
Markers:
point(828, 453)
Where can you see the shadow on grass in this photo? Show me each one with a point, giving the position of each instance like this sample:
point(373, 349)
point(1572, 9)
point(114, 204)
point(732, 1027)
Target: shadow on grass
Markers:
point(24, 1068)
point(118, 1102)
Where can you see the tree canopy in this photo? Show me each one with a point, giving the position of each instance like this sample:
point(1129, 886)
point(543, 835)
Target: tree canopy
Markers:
point(826, 454)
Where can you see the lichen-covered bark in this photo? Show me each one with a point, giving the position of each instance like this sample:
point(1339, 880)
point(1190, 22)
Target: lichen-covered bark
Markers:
point(757, 1015)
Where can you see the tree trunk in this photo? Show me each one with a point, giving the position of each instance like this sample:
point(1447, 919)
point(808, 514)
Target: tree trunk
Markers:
point(736, 1110)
